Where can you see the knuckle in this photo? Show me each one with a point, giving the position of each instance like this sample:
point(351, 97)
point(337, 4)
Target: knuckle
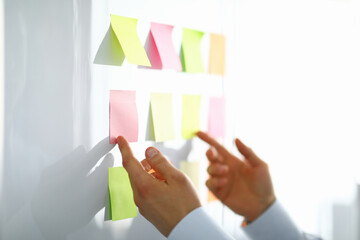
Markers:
point(209, 183)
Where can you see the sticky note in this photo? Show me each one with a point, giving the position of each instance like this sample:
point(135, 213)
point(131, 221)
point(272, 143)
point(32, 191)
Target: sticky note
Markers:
point(217, 54)
point(216, 126)
point(191, 51)
point(162, 36)
point(110, 51)
point(126, 33)
point(191, 169)
point(122, 203)
point(123, 116)
point(190, 115)
point(162, 116)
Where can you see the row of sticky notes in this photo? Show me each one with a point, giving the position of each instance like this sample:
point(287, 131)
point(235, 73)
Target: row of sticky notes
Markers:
point(123, 41)
point(123, 116)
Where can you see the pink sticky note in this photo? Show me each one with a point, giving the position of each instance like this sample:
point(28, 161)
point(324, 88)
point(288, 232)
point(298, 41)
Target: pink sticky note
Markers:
point(162, 36)
point(216, 127)
point(123, 115)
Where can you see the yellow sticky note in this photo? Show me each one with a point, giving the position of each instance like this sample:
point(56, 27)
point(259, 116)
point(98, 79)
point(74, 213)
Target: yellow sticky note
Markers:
point(162, 116)
point(125, 31)
point(122, 203)
point(191, 52)
point(217, 54)
point(190, 115)
point(191, 169)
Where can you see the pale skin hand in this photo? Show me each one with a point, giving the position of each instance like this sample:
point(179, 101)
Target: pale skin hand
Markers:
point(244, 185)
point(163, 198)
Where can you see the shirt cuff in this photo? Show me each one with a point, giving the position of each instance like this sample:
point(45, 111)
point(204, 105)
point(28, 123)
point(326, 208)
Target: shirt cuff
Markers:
point(273, 224)
point(198, 225)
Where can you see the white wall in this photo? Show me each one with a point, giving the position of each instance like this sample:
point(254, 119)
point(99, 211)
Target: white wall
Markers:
point(298, 100)
point(2, 99)
point(56, 113)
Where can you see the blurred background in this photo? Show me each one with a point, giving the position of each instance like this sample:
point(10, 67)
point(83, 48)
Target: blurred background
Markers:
point(292, 87)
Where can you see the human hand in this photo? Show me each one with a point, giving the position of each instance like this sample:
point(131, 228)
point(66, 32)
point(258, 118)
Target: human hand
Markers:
point(163, 198)
point(243, 185)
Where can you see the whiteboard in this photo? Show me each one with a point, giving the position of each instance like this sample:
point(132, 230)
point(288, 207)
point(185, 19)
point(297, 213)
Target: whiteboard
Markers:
point(56, 152)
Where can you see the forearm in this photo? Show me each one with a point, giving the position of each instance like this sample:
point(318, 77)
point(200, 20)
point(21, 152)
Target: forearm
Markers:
point(198, 225)
point(275, 224)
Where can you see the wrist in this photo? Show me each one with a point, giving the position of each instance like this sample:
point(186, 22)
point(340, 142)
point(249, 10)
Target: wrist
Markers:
point(258, 210)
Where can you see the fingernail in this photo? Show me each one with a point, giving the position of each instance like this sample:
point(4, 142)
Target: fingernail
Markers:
point(151, 152)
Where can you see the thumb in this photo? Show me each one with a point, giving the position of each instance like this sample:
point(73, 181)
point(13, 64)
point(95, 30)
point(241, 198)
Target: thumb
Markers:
point(159, 163)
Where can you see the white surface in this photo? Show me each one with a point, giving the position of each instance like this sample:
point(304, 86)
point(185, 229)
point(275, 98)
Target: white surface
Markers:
point(293, 95)
point(2, 102)
point(56, 115)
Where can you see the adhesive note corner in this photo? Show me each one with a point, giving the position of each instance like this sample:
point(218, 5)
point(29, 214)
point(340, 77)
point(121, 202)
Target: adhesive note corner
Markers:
point(123, 116)
point(125, 30)
point(122, 203)
point(162, 116)
point(217, 54)
point(190, 123)
point(191, 51)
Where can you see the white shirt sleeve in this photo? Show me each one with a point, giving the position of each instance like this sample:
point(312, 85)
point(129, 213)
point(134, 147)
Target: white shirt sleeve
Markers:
point(198, 225)
point(275, 224)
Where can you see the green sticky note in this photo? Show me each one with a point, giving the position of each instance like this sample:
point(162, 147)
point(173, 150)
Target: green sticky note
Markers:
point(191, 51)
point(125, 31)
point(190, 116)
point(122, 203)
point(162, 116)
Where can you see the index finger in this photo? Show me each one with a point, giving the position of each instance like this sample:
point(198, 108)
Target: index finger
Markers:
point(211, 141)
point(130, 163)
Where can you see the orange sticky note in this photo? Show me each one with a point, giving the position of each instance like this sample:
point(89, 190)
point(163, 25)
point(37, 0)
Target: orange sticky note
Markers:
point(163, 46)
point(217, 54)
point(123, 117)
point(216, 127)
